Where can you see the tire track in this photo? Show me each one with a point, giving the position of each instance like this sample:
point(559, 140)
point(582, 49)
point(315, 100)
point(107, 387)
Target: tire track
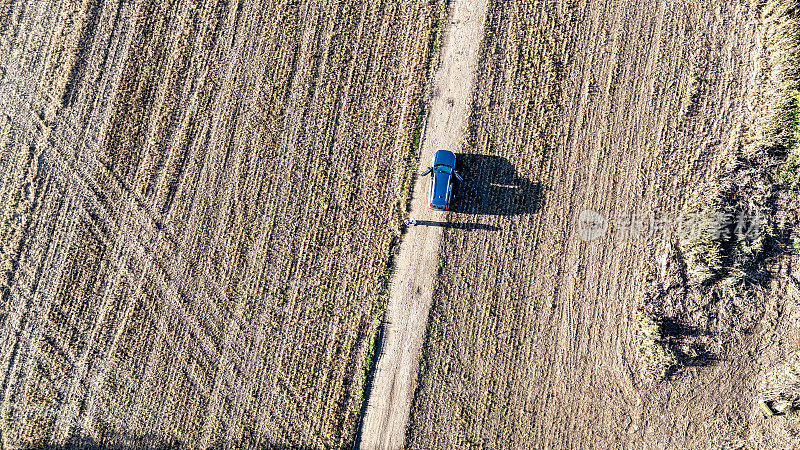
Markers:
point(229, 348)
point(98, 199)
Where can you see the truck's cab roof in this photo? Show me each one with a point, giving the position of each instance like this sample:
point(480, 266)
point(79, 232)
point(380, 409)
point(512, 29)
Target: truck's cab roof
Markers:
point(444, 157)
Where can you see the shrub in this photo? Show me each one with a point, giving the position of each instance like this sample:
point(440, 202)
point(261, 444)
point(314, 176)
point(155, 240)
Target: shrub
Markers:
point(656, 356)
point(707, 233)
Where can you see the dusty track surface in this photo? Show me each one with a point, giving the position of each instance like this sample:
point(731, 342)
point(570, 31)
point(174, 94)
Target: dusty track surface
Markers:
point(620, 107)
point(418, 259)
point(198, 201)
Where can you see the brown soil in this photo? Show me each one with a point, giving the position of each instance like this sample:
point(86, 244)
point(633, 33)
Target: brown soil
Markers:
point(200, 200)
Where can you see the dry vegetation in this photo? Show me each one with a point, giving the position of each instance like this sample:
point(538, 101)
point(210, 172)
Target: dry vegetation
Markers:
point(625, 108)
point(751, 275)
point(198, 202)
point(759, 183)
point(780, 388)
point(657, 356)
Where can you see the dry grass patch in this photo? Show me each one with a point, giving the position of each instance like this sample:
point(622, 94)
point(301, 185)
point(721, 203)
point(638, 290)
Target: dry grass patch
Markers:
point(657, 358)
point(779, 390)
point(244, 166)
point(760, 181)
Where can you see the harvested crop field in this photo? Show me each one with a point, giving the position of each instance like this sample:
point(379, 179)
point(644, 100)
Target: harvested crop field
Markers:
point(201, 209)
point(198, 203)
point(536, 333)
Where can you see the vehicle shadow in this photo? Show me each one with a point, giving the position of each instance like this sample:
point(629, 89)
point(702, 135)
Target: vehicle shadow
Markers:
point(492, 186)
point(458, 226)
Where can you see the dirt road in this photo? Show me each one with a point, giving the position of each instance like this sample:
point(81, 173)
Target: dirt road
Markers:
point(411, 290)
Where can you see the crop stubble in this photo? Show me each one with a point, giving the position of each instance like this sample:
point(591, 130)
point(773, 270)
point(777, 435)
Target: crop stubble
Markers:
point(198, 201)
point(619, 107)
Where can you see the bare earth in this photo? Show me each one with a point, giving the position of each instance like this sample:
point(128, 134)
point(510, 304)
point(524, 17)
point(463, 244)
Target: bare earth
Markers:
point(416, 265)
